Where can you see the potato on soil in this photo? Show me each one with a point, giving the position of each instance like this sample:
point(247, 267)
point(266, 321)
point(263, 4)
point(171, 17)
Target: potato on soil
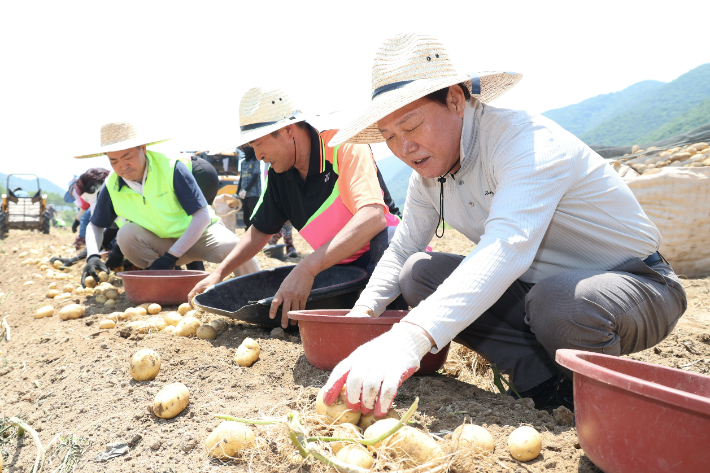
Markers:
point(184, 308)
point(52, 293)
point(220, 325)
point(154, 309)
point(188, 326)
point(110, 302)
point(145, 365)
point(107, 323)
point(356, 454)
point(103, 276)
point(229, 439)
point(206, 332)
point(473, 438)
point(170, 329)
point(111, 294)
point(247, 353)
point(338, 412)
point(172, 318)
point(171, 400)
point(79, 291)
point(344, 431)
point(68, 288)
point(524, 443)
point(156, 323)
point(89, 281)
point(369, 419)
point(53, 285)
point(410, 445)
point(100, 299)
point(46, 311)
point(114, 316)
point(63, 296)
point(71, 311)
point(57, 264)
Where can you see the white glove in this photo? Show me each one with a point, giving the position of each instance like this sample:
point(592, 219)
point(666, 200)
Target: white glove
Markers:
point(376, 370)
point(242, 194)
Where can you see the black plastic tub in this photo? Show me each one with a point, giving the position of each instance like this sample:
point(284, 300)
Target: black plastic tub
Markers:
point(249, 297)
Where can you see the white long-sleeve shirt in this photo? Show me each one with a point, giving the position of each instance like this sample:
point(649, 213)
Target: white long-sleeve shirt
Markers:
point(534, 199)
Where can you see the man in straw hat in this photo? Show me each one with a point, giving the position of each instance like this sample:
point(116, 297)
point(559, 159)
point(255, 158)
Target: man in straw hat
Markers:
point(330, 194)
point(565, 257)
point(169, 222)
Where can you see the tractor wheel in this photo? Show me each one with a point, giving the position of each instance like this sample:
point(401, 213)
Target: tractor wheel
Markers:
point(46, 222)
point(3, 224)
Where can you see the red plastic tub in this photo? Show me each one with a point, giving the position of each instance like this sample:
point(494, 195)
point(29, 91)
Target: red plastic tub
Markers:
point(169, 287)
point(639, 417)
point(324, 349)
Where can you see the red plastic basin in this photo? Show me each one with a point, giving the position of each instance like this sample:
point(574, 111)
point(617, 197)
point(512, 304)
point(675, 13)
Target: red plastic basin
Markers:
point(328, 337)
point(639, 417)
point(169, 287)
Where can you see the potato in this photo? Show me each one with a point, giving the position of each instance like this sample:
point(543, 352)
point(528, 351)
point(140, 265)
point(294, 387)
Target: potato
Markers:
point(154, 309)
point(172, 318)
point(46, 311)
point(52, 285)
point(89, 281)
point(63, 296)
point(410, 445)
point(110, 302)
point(356, 454)
point(170, 329)
point(188, 326)
point(61, 276)
point(145, 306)
point(52, 293)
point(111, 294)
point(28, 283)
point(68, 288)
point(139, 326)
point(42, 267)
point(171, 400)
point(100, 299)
point(139, 311)
point(107, 323)
point(228, 439)
point(338, 412)
point(57, 264)
point(473, 438)
point(347, 431)
point(103, 276)
point(247, 353)
point(113, 316)
point(220, 325)
point(369, 419)
point(106, 285)
point(121, 316)
point(145, 365)
point(72, 311)
point(184, 308)
point(524, 443)
point(156, 323)
point(206, 332)
point(79, 291)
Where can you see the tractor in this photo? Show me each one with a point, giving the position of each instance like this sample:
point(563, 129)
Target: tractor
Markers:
point(22, 211)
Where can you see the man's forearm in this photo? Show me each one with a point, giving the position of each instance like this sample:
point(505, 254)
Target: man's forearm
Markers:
point(251, 243)
point(365, 224)
point(94, 236)
point(200, 221)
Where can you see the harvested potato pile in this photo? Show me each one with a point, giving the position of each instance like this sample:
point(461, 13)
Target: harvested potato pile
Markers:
point(653, 159)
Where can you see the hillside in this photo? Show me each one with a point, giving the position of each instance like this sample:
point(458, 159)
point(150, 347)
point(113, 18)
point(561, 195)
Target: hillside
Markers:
point(645, 111)
point(396, 175)
point(30, 184)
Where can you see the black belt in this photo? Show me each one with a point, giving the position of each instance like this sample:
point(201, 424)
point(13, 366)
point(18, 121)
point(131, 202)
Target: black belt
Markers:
point(654, 258)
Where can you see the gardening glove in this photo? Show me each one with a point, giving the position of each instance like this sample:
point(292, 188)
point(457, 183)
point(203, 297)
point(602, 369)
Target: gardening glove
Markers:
point(167, 261)
point(64, 261)
point(75, 226)
point(115, 258)
point(93, 267)
point(375, 371)
point(242, 194)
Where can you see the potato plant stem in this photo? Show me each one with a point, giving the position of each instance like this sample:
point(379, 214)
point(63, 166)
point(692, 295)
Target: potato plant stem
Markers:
point(249, 421)
point(39, 461)
point(497, 380)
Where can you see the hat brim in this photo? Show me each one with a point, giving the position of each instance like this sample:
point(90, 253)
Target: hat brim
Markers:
point(256, 133)
point(127, 144)
point(363, 129)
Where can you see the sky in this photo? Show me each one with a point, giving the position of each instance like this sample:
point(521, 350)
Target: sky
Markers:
point(68, 67)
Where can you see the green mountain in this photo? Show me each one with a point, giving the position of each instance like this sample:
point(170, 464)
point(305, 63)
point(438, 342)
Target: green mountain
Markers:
point(582, 117)
point(644, 112)
point(396, 175)
point(30, 184)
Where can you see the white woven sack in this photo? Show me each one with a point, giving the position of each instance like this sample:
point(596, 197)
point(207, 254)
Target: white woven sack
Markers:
point(224, 211)
point(677, 200)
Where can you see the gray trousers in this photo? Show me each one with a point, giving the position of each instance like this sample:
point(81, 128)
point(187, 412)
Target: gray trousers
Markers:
point(628, 309)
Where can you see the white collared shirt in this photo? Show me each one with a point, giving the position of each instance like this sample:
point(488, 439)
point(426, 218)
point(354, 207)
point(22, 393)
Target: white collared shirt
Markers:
point(534, 199)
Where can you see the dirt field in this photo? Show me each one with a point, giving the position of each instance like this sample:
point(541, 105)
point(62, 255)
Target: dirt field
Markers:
point(70, 377)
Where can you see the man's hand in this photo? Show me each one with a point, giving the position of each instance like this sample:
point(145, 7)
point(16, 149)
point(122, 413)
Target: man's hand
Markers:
point(242, 194)
point(202, 286)
point(75, 225)
point(360, 311)
point(115, 258)
point(167, 261)
point(64, 261)
point(375, 371)
point(93, 267)
point(293, 293)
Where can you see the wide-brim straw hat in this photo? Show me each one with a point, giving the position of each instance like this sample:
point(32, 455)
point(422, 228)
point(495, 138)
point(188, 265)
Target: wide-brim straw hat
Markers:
point(123, 135)
point(264, 111)
point(409, 67)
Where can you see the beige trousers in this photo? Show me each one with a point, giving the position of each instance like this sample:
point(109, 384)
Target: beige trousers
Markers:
point(141, 247)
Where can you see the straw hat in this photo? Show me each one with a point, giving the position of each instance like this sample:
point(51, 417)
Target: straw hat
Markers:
point(122, 135)
point(264, 111)
point(409, 67)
